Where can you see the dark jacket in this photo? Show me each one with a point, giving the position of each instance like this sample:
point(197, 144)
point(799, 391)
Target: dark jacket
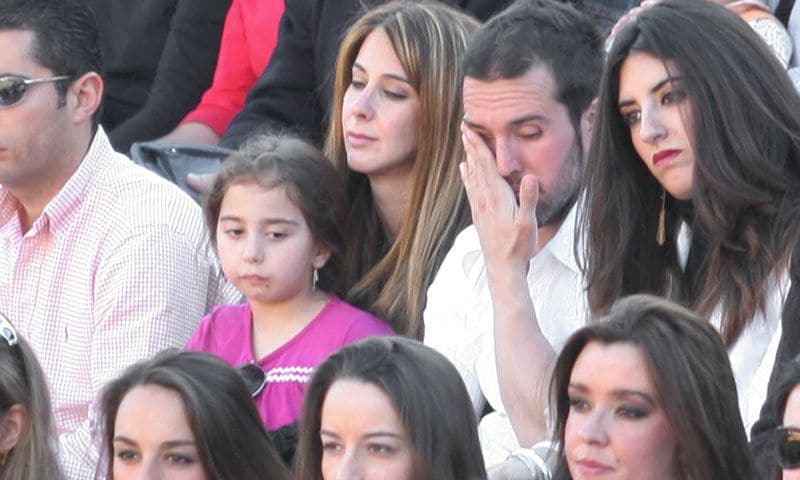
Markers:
point(296, 89)
point(159, 58)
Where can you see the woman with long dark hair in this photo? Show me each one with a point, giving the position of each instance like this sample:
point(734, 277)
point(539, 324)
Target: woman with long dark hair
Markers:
point(693, 180)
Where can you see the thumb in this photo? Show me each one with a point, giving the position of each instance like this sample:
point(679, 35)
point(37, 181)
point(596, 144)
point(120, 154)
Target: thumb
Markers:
point(528, 196)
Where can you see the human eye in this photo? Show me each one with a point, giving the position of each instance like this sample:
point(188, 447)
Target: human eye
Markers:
point(578, 403)
point(357, 82)
point(673, 96)
point(381, 448)
point(394, 94)
point(331, 447)
point(126, 455)
point(631, 118)
point(632, 412)
point(179, 459)
point(276, 235)
point(234, 232)
point(529, 132)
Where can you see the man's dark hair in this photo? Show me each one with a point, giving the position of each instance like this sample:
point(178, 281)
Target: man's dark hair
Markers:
point(65, 37)
point(541, 32)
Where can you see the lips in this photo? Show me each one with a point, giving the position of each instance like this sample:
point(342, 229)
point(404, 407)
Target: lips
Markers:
point(253, 279)
point(664, 156)
point(356, 139)
point(590, 468)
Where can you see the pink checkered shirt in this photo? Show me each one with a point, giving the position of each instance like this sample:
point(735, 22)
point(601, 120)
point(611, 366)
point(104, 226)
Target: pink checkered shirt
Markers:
point(116, 268)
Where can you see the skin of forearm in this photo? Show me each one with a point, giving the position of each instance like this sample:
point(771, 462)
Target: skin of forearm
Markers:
point(524, 356)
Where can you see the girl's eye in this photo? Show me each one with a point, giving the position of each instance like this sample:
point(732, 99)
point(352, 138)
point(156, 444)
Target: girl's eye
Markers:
point(380, 449)
point(126, 456)
point(358, 84)
point(395, 95)
point(631, 118)
point(179, 459)
point(234, 232)
point(275, 235)
point(674, 96)
point(578, 404)
point(331, 447)
point(632, 412)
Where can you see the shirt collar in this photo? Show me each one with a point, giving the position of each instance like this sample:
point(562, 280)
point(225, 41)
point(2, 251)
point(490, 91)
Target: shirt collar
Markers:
point(59, 210)
point(562, 245)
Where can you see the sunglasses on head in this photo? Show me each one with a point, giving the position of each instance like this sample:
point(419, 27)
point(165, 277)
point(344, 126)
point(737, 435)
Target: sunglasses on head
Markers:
point(14, 87)
point(788, 440)
point(254, 377)
point(7, 331)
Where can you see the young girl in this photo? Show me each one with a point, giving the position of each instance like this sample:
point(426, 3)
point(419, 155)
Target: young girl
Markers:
point(273, 213)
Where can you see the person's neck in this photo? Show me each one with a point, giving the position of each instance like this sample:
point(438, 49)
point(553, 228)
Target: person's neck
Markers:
point(34, 196)
point(293, 313)
point(391, 195)
point(546, 233)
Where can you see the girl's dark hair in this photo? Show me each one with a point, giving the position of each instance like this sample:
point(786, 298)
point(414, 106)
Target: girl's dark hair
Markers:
point(428, 394)
point(230, 437)
point(311, 182)
point(693, 380)
point(22, 382)
point(746, 193)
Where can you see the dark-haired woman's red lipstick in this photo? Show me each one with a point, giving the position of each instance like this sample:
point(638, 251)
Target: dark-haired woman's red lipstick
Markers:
point(664, 156)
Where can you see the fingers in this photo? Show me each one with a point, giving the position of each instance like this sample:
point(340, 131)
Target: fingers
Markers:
point(528, 197)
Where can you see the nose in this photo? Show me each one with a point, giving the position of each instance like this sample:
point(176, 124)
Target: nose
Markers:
point(254, 249)
point(594, 429)
point(149, 469)
point(361, 104)
point(506, 157)
point(651, 129)
point(350, 467)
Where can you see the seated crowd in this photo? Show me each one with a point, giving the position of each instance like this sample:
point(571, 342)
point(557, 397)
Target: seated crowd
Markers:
point(454, 240)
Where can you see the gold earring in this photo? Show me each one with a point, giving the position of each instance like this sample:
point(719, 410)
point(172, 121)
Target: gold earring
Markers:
point(661, 233)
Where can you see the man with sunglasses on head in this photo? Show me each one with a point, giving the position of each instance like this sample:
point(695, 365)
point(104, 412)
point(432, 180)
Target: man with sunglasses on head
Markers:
point(101, 262)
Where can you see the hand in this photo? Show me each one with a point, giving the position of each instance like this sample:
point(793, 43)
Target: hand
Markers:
point(511, 469)
point(201, 182)
point(508, 231)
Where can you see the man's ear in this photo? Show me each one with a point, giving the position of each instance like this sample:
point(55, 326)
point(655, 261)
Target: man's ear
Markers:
point(587, 124)
point(85, 96)
point(12, 426)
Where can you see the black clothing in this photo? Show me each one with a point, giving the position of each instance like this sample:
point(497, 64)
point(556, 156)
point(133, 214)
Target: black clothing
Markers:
point(159, 58)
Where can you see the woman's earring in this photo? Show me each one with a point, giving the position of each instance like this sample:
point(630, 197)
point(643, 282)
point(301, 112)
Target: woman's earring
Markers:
point(661, 233)
point(315, 279)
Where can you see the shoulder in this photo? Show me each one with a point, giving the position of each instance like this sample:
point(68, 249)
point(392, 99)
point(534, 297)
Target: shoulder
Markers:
point(223, 321)
point(354, 322)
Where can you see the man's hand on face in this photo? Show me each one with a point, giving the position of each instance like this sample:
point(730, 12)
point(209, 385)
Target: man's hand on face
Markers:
point(507, 229)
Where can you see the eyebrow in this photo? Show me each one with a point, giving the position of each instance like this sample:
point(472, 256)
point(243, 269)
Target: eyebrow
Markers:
point(619, 393)
point(658, 86)
point(393, 76)
point(367, 436)
point(269, 220)
point(164, 446)
point(516, 122)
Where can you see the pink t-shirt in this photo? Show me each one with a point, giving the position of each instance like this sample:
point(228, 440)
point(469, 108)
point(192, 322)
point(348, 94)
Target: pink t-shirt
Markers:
point(228, 333)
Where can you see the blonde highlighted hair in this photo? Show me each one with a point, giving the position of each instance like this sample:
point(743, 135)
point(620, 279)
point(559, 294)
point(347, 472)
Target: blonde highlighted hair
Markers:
point(391, 279)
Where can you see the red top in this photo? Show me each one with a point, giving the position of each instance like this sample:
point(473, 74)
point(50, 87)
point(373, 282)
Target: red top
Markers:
point(248, 39)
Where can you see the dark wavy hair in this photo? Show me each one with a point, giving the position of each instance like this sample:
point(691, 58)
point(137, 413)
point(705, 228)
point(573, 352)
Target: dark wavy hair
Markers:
point(427, 392)
point(231, 441)
point(746, 193)
point(312, 183)
point(693, 380)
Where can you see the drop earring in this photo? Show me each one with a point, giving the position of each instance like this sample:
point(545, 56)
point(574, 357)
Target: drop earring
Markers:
point(314, 280)
point(661, 233)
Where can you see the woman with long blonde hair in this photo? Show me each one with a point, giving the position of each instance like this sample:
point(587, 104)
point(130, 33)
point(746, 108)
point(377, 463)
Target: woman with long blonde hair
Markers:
point(394, 134)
